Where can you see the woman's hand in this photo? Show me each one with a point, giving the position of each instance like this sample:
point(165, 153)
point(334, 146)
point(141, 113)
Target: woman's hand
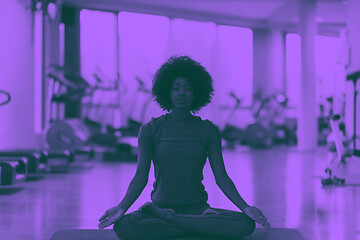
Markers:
point(111, 216)
point(256, 214)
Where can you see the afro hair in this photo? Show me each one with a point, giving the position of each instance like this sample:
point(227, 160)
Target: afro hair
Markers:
point(194, 72)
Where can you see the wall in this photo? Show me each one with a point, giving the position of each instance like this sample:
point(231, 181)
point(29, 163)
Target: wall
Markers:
point(17, 75)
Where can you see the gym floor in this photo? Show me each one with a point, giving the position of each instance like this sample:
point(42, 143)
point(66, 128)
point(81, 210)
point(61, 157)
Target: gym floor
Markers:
point(282, 182)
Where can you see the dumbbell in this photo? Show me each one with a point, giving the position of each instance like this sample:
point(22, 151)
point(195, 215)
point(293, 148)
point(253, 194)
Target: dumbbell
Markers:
point(34, 159)
point(59, 160)
point(87, 152)
point(13, 170)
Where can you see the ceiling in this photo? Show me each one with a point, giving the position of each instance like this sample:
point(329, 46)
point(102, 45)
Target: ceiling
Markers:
point(282, 14)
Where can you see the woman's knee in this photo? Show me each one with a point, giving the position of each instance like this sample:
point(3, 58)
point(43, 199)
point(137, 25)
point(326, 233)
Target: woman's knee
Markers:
point(240, 228)
point(237, 223)
point(125, 229)
point(121, 228)
point(252, 225)
point(247, 226)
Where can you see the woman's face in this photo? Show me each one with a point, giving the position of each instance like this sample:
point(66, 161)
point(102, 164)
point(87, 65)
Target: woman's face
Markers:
point(182, 93)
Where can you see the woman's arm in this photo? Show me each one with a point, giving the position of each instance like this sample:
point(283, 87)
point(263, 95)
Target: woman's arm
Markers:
point(226, 184)
point(217, 165)
point(140, 179)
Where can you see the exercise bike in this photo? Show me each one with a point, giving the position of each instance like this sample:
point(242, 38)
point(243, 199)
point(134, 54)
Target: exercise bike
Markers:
point(271, 125)
point(232, 134)
point(342, 152)
point(324, 128)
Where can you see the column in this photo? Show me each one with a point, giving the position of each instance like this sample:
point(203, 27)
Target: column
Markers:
point(307, 121)
point(71, 19)
point(269, 61)
point(353, 19)
point(17, 75)
point(51, 56)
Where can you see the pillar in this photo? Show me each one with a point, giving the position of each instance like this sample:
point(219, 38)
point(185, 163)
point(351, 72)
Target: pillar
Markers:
point(51, 56)
point(307, 121)
point(71, 19)
point(17, 75)
point(269, 61)
point(353, 19)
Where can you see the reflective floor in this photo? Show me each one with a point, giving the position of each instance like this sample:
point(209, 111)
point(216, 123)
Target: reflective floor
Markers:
point(283, 182)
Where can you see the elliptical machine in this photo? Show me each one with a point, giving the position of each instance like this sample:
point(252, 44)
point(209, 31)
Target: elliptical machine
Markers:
point(133, 126)
point(5, 97)
point(232, 134)
point(74, 133)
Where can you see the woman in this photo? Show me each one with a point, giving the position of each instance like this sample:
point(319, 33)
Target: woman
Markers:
point(179, 143)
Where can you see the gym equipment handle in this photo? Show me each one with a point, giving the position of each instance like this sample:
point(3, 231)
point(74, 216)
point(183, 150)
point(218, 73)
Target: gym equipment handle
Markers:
point(7, 96)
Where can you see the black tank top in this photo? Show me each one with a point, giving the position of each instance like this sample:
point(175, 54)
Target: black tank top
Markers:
point(179, 156)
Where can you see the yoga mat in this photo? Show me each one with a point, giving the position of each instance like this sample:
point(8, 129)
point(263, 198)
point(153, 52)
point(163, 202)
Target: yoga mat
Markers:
point(275, 234)
point(108, 234)
point(84, 234)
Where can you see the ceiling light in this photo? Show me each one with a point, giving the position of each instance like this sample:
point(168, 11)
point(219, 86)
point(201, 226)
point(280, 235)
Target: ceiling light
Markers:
point(51, 10)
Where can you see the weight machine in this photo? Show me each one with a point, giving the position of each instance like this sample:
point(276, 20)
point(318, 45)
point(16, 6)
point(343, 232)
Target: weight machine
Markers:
point(343, 148)
point(354, 77)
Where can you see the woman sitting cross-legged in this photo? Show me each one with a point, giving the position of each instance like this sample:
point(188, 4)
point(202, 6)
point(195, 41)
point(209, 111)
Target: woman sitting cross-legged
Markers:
point(179, 143)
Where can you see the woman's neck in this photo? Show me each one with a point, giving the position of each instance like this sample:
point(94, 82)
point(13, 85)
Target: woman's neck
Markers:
point(180, 114)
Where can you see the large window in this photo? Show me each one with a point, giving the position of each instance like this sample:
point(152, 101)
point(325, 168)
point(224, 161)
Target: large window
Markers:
point(147, 41)
point(234, 73)
point(144, 42)
point(98, 44)
point(328, 71)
